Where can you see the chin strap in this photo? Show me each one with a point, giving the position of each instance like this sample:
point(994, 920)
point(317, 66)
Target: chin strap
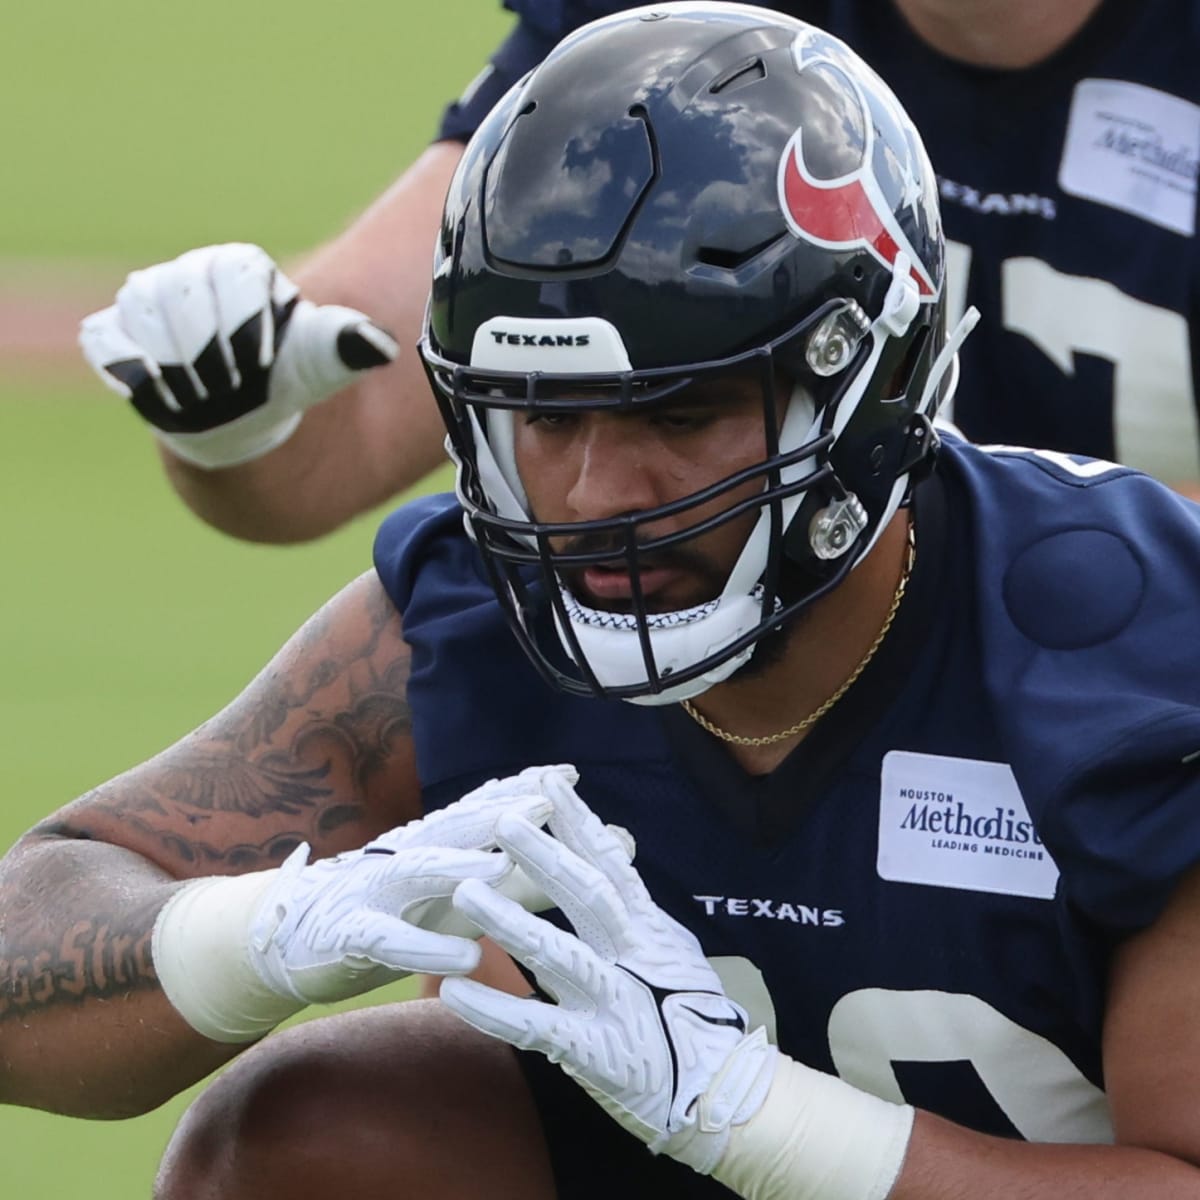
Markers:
point(922, 441)
point(919, 449)
point(947, 360)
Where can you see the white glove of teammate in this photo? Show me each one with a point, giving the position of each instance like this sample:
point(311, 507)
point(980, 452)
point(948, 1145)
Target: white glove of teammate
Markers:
point(218, 352)
point(643, 1023)
point(237, 955)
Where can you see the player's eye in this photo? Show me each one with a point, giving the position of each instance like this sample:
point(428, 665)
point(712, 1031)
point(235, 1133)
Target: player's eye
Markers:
point(551, 421)
point(686, 419)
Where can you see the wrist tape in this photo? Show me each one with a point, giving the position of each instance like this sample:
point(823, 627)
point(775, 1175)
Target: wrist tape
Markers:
point(816, 1138)
point(201, 951)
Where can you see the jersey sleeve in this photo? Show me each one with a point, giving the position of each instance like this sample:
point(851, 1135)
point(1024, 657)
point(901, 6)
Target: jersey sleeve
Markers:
point(1089, 588)
point(1125, 828)
point(541, 24)
point(405, 539)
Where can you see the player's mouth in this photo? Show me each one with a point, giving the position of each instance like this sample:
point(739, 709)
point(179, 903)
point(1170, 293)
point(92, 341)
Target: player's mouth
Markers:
point(670, 579)
point(612, 588)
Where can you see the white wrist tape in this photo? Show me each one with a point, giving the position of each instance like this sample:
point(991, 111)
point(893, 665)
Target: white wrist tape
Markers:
point(816, 1138)
point(200, 947)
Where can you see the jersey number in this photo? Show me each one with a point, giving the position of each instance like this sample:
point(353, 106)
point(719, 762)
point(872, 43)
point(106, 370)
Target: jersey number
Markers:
point(1154, 412)
point(873, 1028)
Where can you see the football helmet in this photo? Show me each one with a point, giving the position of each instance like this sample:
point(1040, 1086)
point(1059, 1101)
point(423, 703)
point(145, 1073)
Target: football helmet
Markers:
point(680, 194)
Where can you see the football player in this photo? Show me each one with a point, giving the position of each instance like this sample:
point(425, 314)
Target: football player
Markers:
point(1066, 139)
point(902, 732)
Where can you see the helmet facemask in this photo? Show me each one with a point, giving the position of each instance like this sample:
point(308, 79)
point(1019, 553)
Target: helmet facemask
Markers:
point(638, 653)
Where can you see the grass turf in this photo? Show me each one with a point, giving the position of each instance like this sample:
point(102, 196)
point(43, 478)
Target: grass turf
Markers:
point(135, 130)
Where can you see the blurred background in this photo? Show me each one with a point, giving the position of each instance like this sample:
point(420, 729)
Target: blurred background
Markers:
point(131, 132)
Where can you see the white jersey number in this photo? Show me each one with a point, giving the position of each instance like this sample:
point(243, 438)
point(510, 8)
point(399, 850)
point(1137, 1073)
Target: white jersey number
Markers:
point(1154, 413)
point(1037, 1087)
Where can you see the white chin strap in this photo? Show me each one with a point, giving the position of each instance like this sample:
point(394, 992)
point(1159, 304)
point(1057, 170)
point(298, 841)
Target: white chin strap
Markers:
point(610, 643)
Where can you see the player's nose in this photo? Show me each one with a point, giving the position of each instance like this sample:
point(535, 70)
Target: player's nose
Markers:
point(613, 471)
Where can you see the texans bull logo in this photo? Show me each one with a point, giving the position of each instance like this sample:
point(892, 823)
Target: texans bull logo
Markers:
point(856, 205)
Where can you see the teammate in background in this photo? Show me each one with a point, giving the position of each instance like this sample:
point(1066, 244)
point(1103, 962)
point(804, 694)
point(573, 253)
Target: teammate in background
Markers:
point(1066, 137)
point(905, 917)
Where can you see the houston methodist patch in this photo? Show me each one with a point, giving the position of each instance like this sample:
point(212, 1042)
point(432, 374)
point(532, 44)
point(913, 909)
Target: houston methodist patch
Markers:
point(959, 823)
point(1134, 148)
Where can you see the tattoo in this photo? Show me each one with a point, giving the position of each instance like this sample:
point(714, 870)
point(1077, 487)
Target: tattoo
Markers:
point(214, 783)
point(272, 700)
point(306, 753)
point(283, 757)
point(366, 730)
point(98, 957)
point(207, 857)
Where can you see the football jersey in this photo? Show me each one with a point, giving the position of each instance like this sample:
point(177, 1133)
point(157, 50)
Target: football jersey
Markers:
point(925, 895)
point(1069, 202)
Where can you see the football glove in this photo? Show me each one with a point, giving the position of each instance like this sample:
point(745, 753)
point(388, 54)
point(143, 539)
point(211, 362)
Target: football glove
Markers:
point(218, 352)
point(642, 1021)
point(237, 955)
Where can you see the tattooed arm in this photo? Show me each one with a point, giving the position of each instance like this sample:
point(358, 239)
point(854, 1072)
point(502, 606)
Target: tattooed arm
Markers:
point(316, 749)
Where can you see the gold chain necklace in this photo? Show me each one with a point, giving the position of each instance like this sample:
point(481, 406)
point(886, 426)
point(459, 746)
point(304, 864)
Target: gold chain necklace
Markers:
point(813, 717)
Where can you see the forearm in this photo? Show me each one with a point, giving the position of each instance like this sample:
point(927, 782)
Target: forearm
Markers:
point(343, 460)
point(85, 1029)
point(946, 1162)
point(380, 435)
point(817, 1138)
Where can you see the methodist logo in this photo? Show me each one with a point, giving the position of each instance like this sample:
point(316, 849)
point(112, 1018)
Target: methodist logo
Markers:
point(1003, 831)
point(959, 823)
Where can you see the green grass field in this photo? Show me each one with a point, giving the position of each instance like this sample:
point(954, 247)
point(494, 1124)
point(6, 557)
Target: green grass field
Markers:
point(134, 131)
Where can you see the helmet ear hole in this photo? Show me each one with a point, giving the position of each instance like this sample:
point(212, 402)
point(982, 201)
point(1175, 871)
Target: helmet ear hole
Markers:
point(900, 380)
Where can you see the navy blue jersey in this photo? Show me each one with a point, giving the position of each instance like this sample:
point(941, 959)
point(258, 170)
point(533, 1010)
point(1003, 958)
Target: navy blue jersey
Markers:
point(925, 895)
point(1069, 200)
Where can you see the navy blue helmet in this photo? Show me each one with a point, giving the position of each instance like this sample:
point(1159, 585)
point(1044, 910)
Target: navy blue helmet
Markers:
point(676, 195)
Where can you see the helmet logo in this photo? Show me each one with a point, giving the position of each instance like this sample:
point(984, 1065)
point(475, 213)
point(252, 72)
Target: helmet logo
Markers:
point(855, 199)
point(578, 345)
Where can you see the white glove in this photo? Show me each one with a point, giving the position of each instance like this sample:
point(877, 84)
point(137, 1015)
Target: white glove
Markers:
point(643, 1023)
point(642, 1020)
point(237, 955)
point(218, 352)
